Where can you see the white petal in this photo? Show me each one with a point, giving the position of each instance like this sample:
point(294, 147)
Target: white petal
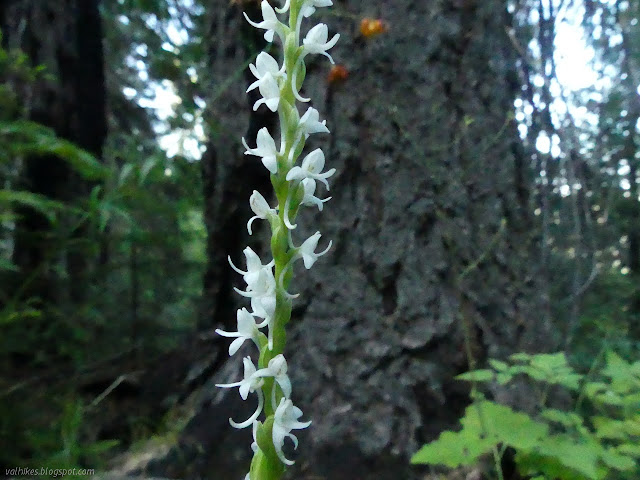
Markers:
point(270, 162)
point(259, 205)
point(253, 417)
point(295, 173)
point(235, 345)
point(272, 104)
point(285, 385)
point(228, 385)
point(222, 333)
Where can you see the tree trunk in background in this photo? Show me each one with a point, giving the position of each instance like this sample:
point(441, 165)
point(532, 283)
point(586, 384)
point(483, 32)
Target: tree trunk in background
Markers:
point(229, 177)
point(66, 37)
point(431, 229)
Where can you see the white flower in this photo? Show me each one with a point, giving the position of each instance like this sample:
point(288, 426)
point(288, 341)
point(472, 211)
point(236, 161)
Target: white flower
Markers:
point(254, 267)
point(265, 63)
point(277, 369)
point(247, 330)
point(265, 148)
point(312, 166)
point(309, 198)
point(262, 284)
point(316, 41)
point(306, 251)
point(260, 207)
point(270, 92)
point(310, 123)
point(270, 23)
point(286, 419)
point(249, 384)
point(309, 6)
point(264, 306)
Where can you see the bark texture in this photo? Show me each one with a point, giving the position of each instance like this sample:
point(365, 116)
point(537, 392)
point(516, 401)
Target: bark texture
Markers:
point(432, 233)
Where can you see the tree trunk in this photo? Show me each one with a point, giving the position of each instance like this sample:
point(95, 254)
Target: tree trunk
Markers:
point(432, 240)
point(66, 37)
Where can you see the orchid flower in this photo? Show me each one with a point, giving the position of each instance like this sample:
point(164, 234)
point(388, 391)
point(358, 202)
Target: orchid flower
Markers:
point(265, 63)
point(309, 6)
point(265, 148)
point(306, 251)
point(295, 185)
point(309, 198)
point(254, 266)
point(286, 419)
point(310, 123)
point(312, 166)
point(277, 368)
point(260, 207)
point(247, 330)
point(249, 384)
point(316, 41)
point(270, 23)
point(270, 92)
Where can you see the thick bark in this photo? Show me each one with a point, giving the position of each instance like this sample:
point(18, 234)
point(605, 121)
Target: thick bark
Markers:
point(432, 233)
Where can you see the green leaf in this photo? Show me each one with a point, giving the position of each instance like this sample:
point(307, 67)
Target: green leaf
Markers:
point(631, 449)
point(6, 264)
point(454, 449)
point(549, 361)
point(520, 357)
point(476, 376)
point(609, 428)
point(31, 138)
point(498, 365)
point(503, 425)
point(80, 160)
point(617, 461)
point(581, 457)
point(146, 167)
point(42, 204)
point(566, 419)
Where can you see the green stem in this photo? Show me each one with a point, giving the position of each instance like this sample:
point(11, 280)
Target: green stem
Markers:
point(497, 459)
point(265, 464)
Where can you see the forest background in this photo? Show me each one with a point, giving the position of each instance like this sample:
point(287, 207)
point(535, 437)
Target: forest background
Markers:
point(482, 206)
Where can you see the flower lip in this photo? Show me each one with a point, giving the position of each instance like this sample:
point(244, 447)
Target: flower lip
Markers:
point(309, 198)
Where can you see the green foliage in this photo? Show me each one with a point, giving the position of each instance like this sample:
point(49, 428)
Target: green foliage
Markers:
point(136, 223)
point(25, 138)
point(67, 445)
point(596, 441)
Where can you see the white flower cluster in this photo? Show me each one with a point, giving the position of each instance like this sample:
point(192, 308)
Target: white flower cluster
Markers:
point(295, 187)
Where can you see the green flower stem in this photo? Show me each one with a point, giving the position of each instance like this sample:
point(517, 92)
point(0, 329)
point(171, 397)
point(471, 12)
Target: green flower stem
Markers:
point(265, 464)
